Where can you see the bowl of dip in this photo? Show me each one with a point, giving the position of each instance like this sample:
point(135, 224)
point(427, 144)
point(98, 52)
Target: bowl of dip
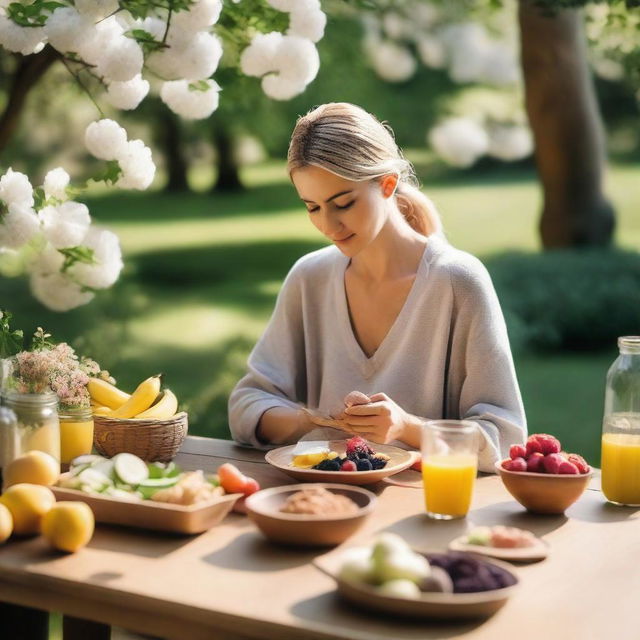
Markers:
point(310, 514)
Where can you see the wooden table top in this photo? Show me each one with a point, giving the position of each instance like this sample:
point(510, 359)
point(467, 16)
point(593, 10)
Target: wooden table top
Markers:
point(231, 583)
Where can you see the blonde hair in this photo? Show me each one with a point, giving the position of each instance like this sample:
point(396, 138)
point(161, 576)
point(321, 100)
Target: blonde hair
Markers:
point(351, 143)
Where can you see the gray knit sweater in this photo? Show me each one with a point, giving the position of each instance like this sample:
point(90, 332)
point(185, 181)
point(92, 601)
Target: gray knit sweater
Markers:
point(446, 356)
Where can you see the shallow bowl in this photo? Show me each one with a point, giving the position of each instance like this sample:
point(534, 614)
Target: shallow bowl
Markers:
point(303, 530)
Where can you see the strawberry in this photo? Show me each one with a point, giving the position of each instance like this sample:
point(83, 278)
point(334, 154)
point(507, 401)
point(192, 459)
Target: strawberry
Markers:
point(231, 478)
point(417, 465)
point(568, 467)
point(357, 445)
point(552, 462)
point(517, 451)
point(534, 463)
point(580, 462)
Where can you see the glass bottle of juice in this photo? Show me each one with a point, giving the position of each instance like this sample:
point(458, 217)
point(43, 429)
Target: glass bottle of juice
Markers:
point(76, 432)
point(621, 426)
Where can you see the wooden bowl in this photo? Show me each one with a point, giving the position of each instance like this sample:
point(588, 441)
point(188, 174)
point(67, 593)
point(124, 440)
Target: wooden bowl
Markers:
point(430, 605)
point(551, 493)
point(303, 530)
point(151, 440)
point(399, 460)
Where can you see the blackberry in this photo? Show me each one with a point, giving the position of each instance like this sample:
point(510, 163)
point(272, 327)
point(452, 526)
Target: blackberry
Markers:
point(364, 465)
point(377, 463)
point(327, 465)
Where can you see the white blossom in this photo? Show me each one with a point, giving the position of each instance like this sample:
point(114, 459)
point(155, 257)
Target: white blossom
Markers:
point(201, 15)
point(55, 184)
point(127, 95)
point(105, 139)
point(96, 9)
point(153, 26)
point(285, 63)
point(65, 225)
point(189, 103)
point(121, 60)
point(99, 41)
point(57, 291)
point(67, 29)
point(307, 24)
point(24, 40)
point(510, 142)
point(137, 166)
point(501, 66)
point(391, 61)
point(19, 226)
point(459, 141)
point(286, 5)
point(108, 260)
point(48, 260)
point(11, 262)
point(15, 188)
point(396, 26)
point(431, 52)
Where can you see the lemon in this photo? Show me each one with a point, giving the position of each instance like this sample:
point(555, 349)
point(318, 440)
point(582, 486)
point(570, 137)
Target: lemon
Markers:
point(34, 467)
point(27, 504)
point(68, 526)
point(6, 523)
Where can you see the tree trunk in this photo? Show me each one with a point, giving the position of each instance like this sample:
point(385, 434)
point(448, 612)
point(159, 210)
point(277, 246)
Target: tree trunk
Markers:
point(170, 140)
point(566, 124)
point(28, 71)
point(228, 169)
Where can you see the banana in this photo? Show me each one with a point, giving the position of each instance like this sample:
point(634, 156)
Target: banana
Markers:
point(99, 410)
point(141, 399)
point(163, 409)
point(105, 394)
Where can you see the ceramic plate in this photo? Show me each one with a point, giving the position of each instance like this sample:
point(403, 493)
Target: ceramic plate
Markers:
point(539, 551)
point(448, 606)
point(159, 516)
point(399, 460)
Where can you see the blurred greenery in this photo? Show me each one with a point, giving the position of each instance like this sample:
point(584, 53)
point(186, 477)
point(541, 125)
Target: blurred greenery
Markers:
point(202, 274)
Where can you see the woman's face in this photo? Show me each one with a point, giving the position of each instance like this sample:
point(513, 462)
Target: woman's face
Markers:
point(350, 214)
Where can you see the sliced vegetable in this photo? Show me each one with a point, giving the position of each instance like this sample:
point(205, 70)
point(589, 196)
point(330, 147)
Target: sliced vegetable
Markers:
point(130, 469)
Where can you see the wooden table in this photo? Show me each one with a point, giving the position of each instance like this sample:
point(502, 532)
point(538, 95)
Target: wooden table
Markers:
point(230, 584)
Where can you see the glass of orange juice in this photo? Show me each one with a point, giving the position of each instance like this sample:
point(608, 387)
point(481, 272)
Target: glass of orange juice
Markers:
point(449, 467)
point(76, 432)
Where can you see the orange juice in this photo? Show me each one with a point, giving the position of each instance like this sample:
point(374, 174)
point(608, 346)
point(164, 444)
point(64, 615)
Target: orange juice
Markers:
point(76, 439)
point(621, 468)
point(448, 483)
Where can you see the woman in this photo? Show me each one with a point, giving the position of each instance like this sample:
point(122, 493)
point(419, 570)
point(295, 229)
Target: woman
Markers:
point(390, 310)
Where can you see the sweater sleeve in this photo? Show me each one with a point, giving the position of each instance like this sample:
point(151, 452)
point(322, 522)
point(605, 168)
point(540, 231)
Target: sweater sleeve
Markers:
point(482, 380)
point(276, 367)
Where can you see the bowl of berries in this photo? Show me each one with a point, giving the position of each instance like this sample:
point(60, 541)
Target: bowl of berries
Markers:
point(353, 461)
point(542, 477)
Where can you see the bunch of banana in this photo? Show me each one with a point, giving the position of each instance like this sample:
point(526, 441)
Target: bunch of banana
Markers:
point(147, 402)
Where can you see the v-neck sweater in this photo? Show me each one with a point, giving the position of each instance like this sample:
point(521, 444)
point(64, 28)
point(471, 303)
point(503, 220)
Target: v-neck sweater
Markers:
point(446, 355)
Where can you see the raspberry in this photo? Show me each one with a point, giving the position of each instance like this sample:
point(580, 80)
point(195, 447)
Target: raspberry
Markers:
point(517, 451)
point(534, 463)
point(364, 465)
point(544, 443)
point(580, 462)
point(532, 446)
point(517, 464)
point(568, 468)
point(552, 462)
point(358, 445)
point(348, 465)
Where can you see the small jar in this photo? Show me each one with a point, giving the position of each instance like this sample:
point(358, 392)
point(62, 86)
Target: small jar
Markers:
point(76, 432)
point(37, 425)
point(8, 431)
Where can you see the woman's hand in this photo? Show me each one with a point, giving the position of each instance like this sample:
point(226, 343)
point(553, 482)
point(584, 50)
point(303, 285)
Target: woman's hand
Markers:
point(381, 420)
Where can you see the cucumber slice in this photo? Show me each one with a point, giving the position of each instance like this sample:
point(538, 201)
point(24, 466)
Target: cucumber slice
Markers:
point(87, 459)
point(130, 469)
point(151, 485)
point(105, 467)
point(93, 480)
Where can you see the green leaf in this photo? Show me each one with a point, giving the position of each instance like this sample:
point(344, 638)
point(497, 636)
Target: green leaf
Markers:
point(73, 255)
point(11, 340)
point(200, 85)
point(111, 174)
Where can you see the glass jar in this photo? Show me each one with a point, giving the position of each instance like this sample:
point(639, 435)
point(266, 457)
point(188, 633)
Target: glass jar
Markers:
point(621, 426)
point(76, 432)
point(8, 431)
point(37, 425)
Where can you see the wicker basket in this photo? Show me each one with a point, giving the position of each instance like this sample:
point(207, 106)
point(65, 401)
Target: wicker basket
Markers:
point(151, 440)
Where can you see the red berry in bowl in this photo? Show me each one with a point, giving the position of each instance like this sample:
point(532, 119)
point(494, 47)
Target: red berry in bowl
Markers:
point(580, 462)
point(348, 465)
point(534, 463)
point(518, 464)
point(548, 444)
point(517, 451)
point(552, 462)
point(567, 467)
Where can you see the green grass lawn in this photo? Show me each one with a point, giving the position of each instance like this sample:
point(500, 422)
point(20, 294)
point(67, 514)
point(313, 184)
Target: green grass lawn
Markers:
point(202, 273)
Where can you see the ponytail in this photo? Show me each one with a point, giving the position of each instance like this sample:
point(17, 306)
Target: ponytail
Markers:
point(418, 210)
